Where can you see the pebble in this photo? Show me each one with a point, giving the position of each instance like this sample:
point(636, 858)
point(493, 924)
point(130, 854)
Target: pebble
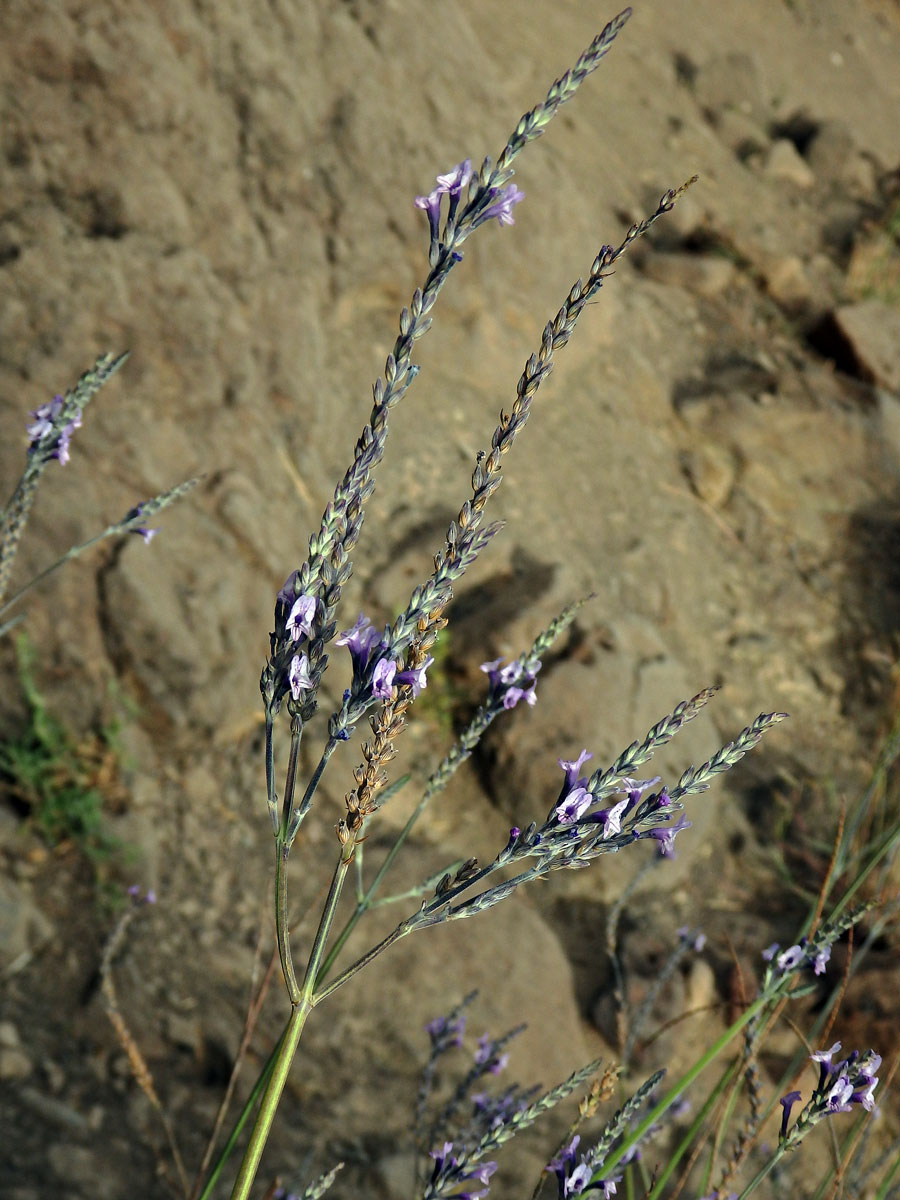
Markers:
point(710, 470)
point(787, 165)
point(14, 1063)
point(789, 285)
point(872, 330)
point(23, 927)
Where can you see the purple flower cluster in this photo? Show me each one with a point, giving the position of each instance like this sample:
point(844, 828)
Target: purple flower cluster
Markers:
point(45, 422)
point(841, 1085)
point(486, 1055)
point(573, 1179)
point(295, 616)
point(448, 1174)
point(446, 1035)
point(147, 534)
point(373, 668)
point(801, 955)
point(450, 185)
point(511, 683)
point(502, 201)
point(576, 798)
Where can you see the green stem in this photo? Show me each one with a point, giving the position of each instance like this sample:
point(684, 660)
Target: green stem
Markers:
point(365, 901)
point(290, 782)
point(686, 1142)
point(292, 824)
point(249, 1105)
point(325, 923)
point(269, 1103)
point(282, 929)
point(399, 932)
point(271, 798)
point(291, 1038)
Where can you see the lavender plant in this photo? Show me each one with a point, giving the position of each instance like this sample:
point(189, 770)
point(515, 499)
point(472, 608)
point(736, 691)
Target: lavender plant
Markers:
point(594, 814)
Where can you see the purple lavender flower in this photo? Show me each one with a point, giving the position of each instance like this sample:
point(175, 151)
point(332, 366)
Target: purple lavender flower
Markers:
point(454, 181)
point(574, 798)
point(791, 958)
point(511, 683)
point(803, 954)
point(486, 1054)
point(696, 940)
point(43, 419)
point(300, 619)
point(44, 423)
point(820, 959)
point(298, 675)
point(448, 1173)
point(562, 1165)
point(383, 678)
point(366, 644)
point(787, 1102)
point(572, 1180)
point(450, 185)
point(446, 1033)
point(416, 677)
point(147, 534)
point(666, 836)
point(574, 806)
point(840, 1086)
point(825, 1056)
point(361, 640)
point(501, 208)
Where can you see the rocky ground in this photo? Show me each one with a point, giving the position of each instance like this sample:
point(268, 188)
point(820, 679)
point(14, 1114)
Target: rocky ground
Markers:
point(226, 191)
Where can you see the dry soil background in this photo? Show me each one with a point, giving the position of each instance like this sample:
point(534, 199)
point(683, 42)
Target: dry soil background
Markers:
point(225, 189)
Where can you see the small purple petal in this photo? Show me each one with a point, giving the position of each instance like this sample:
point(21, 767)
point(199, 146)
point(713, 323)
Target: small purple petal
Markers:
point(383, 678)
point(503, 204)
point(573, 807)
point(300, 619)
point(298, 675)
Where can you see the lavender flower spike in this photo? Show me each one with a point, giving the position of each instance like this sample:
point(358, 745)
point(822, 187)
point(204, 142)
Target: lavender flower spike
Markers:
point(147, 534)
point(45, 420)
point(512, 683)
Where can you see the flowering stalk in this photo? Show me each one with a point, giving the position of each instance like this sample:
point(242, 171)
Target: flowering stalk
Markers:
point(841, 1085)
point(134, 521)
point(49, 434)
point(328, 565)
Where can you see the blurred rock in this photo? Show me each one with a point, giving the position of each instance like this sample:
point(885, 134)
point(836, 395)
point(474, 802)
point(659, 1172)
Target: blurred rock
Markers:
point(834, 156)
point(789, 285)
point(23, 927)
point(731, 81)
point(872, 331)
point(711, 472)
point(705, 274)
point(786, 164)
